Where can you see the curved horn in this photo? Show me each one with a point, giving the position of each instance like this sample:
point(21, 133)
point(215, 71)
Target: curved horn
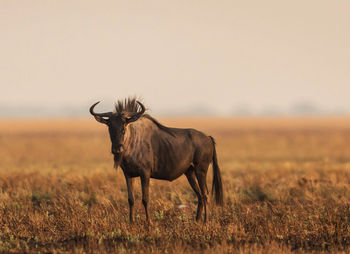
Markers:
point(99, 116)
point(143, 108)
point(107, 114)
point(138, 114)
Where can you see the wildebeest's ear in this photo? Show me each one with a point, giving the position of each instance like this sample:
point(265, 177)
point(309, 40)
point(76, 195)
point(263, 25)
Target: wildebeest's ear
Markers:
point(137, 115)
point(101, 119)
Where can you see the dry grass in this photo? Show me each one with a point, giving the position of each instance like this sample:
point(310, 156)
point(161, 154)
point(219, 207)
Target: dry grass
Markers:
point(286, 183)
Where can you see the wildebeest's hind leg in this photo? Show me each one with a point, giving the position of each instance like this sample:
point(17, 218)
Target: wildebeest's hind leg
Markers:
point(192, 180)
point(145, 194)
point(129, 184)
point(201, 174)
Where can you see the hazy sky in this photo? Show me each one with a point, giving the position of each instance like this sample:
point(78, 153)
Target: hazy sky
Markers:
point(176, 54)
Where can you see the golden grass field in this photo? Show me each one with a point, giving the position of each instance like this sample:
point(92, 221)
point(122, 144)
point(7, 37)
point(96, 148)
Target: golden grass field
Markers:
point(286, 184)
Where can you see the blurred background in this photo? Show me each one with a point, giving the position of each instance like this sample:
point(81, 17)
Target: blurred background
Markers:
point(184, 58)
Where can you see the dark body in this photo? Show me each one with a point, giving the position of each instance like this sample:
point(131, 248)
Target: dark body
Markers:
point(147, 149)
point(164, 155)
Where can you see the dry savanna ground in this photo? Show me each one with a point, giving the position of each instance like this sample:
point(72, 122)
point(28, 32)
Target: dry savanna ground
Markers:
point(286, 184)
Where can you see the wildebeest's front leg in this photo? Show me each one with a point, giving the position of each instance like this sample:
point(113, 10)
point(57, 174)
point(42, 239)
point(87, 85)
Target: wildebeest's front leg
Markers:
point(145, 194)
point(129, 183)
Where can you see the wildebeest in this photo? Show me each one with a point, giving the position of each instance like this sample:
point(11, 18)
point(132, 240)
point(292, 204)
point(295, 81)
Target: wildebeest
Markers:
point(144, 148)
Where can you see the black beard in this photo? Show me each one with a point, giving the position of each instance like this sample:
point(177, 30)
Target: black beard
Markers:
point(117, 160)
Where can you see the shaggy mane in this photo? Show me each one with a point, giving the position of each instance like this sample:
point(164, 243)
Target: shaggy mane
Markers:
point(130, 106)
point(127, 106)
point(159, 125)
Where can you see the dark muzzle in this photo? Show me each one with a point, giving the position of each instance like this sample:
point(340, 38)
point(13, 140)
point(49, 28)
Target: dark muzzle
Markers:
point(117, 149)
point(118, 154)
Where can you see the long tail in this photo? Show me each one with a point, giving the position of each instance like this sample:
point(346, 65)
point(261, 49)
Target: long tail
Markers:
point(217, 183)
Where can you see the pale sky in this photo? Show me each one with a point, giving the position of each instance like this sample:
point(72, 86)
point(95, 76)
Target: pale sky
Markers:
point(176, 54)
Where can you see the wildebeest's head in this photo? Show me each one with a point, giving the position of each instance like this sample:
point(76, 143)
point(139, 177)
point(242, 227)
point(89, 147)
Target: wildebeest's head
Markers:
point(126, 112)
